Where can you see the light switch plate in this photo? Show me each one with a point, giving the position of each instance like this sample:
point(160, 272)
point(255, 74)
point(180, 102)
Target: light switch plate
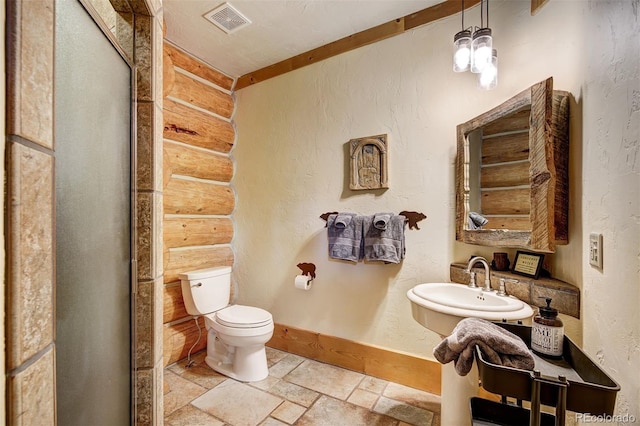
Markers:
point(595, 250)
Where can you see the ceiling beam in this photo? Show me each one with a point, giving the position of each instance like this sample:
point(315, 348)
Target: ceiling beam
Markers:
point(536, 5)
point(354, 41)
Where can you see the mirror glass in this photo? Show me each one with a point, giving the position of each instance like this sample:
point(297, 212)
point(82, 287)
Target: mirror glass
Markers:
point(512, 172)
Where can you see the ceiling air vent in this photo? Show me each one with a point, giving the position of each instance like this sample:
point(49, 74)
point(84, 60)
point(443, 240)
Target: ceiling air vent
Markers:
point(227, 18)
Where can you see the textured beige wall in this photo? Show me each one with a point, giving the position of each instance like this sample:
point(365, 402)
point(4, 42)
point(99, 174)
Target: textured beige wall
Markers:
point(610, 202)
point(291, 159)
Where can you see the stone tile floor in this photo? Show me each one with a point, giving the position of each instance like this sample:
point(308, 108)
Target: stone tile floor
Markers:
point(298, 391)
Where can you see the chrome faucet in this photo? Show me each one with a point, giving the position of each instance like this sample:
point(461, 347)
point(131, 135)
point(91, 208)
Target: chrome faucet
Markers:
point(487, 278)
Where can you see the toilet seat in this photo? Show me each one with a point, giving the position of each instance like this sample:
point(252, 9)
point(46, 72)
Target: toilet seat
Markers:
point(240, 316)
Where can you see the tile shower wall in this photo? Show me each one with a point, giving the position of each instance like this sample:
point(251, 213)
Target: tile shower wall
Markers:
point(30, 266)
point(30, 216)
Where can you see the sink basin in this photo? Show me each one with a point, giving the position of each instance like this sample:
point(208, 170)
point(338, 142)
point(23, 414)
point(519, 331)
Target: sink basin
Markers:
point(440, 306)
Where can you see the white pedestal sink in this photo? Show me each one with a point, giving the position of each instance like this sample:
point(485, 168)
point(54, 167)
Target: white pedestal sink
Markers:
point(439, 307)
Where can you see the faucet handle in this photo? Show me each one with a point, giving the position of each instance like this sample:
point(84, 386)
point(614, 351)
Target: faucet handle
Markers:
point(503, 291)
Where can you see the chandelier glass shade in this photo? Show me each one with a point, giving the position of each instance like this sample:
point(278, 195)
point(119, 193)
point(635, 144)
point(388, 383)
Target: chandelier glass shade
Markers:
point(481, 47)
point(462, 51)
point(488, 78)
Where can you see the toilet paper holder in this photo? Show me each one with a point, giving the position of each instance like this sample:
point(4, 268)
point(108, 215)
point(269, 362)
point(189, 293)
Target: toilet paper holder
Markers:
point(308, 269)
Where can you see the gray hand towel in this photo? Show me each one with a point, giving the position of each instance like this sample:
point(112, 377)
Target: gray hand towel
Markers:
point(380, 220)
point(345, 243)
point(343, 220)
point(476, 220)
point(499, 346)
point(386, 245)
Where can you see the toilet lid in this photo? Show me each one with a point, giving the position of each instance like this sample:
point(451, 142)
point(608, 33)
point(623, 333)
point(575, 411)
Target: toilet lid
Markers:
point(241, 316)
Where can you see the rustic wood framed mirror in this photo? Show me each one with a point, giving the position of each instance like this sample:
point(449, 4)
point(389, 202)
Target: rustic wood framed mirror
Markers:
point(512, 172)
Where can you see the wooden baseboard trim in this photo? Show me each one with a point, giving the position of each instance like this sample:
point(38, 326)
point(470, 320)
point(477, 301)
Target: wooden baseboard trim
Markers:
point(405, 369)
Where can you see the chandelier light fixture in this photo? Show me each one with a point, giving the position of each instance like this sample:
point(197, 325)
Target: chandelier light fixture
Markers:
point(475, 52)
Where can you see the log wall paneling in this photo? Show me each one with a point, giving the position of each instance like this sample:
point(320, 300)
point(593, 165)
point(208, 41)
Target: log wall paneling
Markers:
point(182, 160)
point(168, 74)
point(194, 231)
point(181, 260)
point(173, 303)
point(202, 95)
point(193, 197)
point(182, 60)
point(179, 338)
point(197, 202)
point(193, 127)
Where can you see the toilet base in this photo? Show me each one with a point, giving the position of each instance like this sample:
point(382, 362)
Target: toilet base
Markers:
point(245, 364)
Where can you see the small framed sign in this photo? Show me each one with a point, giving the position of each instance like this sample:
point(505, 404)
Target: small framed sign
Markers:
point(528, 264)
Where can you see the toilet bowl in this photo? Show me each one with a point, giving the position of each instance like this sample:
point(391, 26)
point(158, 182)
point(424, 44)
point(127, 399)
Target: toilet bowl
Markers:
point(236, 334)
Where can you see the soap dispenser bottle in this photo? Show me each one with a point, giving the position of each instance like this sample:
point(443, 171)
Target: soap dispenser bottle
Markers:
point(547, 332)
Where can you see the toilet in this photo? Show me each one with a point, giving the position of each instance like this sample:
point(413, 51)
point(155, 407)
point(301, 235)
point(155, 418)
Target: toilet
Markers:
point(236, 333)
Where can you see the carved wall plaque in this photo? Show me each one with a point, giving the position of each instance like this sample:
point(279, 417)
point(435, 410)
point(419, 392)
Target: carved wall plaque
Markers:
point(368, 163)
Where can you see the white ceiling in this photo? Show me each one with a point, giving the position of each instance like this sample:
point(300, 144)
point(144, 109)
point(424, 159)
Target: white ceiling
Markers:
point(279, 30)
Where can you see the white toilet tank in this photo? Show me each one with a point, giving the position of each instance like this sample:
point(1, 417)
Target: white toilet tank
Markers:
point(206, 290)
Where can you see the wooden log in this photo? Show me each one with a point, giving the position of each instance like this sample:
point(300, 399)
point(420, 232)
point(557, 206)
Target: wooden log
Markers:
point(186, 231)
point(197, 163)
point(173, 303)
point(168, 74)
point(193, 127)
point(202, 96)
point(503, 175)
point(177, 261)
point(192, 197)
point(188, 63)
point(516, 121)
point(507, 201)
point(178, 339)
point(501, 149)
